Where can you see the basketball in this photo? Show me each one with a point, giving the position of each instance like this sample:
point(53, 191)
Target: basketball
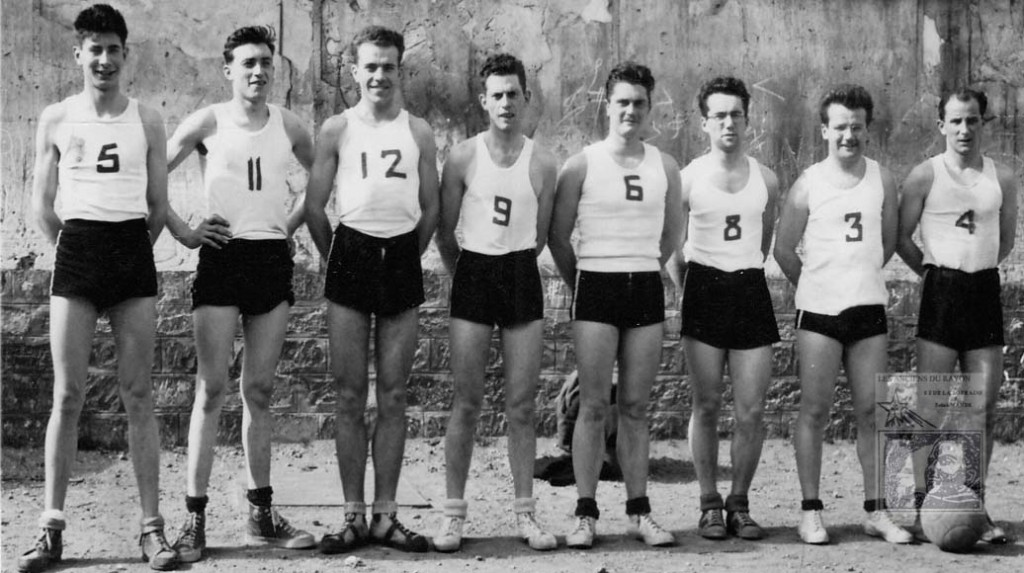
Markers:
point(950, 530)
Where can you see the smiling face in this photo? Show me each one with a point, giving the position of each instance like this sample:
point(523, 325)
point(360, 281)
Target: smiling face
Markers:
point(725, 123)
point(101, 57)
point(845, 132)
point(962, 126)
point(377, 72)
point(504, 101)
point(251, 71)
point(628, 107)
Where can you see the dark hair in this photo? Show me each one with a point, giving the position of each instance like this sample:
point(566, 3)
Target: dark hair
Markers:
point(631, 73)
point(248, 35)
point(379, 36)
point(850, 96)
point(722, 85)
point(503, 65)
point(964, 95)
point(100, 19)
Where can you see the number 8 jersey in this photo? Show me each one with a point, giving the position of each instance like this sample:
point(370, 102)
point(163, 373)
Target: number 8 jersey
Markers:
point(960, 223)
point(621, 212)
point(102, 169)
point(843, 253)
point(378, 181)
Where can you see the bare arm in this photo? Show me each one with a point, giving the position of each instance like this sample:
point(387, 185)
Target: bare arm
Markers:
point(912, 197)
point(890, 216)
point(1007, 212)
point(563, 216)
point(672, 229)
point(453, 187)
point(44, 182)
point(430, 194)
point(771, 210)
point(321, 180)
point(547, 175)
point(792, 223)
point(302, 148)
point(156, 171)
point(676, 265)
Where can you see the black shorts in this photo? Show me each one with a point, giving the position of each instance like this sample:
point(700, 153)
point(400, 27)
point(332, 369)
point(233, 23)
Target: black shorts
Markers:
point(373, 275)
point(728, 309)
point(255, 276)
point(104, 263)
point(624, 300)
point(851, 325)
point(497, 289)
point(961, 310)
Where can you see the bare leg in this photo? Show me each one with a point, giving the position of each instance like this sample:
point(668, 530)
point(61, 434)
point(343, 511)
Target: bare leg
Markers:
point(470, 342)
point(750, 371)
point(596, 346)
point(214, 335)
point(349, 333)
point(395, 348)
point(932, 358)
point(522, 351)
point(640, 355)
point(864, 360)
point(819, 358)
point(72, 325)
point(706, 364)
point(986, 362)
point(264, 337)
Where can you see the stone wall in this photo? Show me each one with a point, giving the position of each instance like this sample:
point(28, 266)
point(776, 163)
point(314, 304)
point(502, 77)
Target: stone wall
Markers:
point(905, 51)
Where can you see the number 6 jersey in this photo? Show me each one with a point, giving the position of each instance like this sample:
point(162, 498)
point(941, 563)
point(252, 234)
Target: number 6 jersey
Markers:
point(378, 180)
point(960, 222)
point(843, 254)
point(245, 175)
point(499, 207)
point(102, 169)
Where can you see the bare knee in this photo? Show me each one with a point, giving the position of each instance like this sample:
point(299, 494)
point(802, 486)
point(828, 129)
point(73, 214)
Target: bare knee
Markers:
point(68, 401)
point(137, 394)
point(391, 401)
point(211, 394)
point(707, 407)
point(816, 415)
point(258, 393)
point(749, 418)
point(632, 410)
point(351, 400)
point(520, 412)
point(595, 411)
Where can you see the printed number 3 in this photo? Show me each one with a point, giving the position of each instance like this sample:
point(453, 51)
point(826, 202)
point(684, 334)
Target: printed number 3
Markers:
point(115, 161)
point(854, 220)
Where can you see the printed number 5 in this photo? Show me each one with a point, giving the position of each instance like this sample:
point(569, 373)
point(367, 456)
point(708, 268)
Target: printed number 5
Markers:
point(115, 161)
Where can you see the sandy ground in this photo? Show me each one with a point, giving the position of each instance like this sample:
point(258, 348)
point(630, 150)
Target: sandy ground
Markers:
point(103, 512)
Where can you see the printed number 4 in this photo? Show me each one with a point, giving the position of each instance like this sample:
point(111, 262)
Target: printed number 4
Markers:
point(115, 161)
point(391, 172)
point(854, 220)
point(966, 221)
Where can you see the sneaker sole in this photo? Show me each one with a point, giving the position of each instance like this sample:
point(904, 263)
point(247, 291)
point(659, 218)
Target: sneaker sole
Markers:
point(189, 555)
point(815, 542)
point(872, 532)
point(296, 543)
point(444, 549)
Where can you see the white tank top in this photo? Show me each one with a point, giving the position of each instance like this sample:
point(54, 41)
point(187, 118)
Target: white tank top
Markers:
point(378, 181)
point(499, 207)
point(245, 175)
point(621, 212)
point(102, 169)
point(960, 223)
point(725, 228)
point(843, 253)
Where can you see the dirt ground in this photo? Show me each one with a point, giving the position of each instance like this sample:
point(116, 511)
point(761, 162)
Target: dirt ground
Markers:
point(103, 512)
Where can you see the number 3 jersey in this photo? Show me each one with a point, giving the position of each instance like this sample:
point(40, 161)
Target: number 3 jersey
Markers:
point(245, 175)
point(843, 255)
point(102, 168)
point(621, 212)
point(499, 207)
point(960, 222)
point(724, 229)
point(378, 180)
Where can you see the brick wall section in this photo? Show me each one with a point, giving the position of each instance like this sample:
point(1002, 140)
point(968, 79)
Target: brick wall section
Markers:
point(304, 397)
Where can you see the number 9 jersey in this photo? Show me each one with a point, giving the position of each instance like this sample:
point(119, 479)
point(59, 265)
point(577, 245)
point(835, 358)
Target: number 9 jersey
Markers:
point(499, 207)
point(843, 253)
point(378, 179)
point(960, 222)
point(102, 168)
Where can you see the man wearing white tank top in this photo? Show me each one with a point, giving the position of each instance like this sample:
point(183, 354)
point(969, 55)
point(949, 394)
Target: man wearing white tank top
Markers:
point(383, 162)
point(245, 147)
point(844, 209)
point(966, 205)
point(623, 194)
point(103, 153)
point(729, 209)
point(496, 191)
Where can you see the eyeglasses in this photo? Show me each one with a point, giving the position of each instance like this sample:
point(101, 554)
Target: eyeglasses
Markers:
point(734, 115)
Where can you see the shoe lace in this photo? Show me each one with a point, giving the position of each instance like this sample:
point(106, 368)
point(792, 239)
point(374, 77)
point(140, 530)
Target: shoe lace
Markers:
point(157, 537)
point(529, 526)
point(711, 518)
point(584, 524)
point(743, 519)
point(884, 521)
point(647, 521)
point(408, 533)
point(816, 521)
point(282, 526)
point(43, 542)
point(190, 529)
point(452, 526)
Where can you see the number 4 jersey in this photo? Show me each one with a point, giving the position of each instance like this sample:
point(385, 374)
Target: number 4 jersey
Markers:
point(102, 168)
point(378, 179)
point(245, 175)
point(843, 253)
point(960, 222)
